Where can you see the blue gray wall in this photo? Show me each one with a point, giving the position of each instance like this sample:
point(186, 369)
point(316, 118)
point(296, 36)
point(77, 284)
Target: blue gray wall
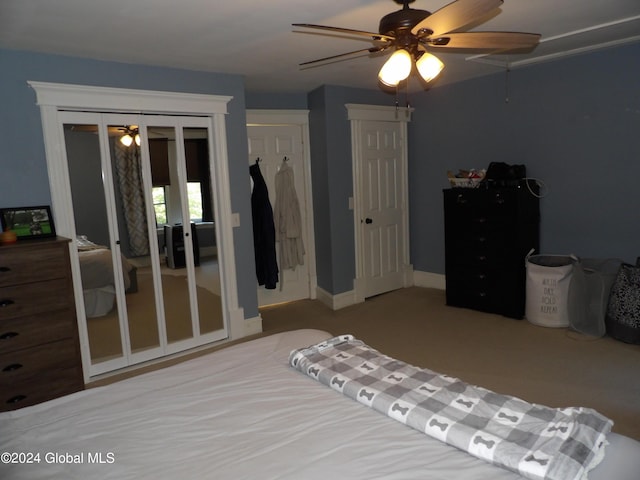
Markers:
point(24, 179)
point(574, 123)
point(276, 101)
point(332, 177)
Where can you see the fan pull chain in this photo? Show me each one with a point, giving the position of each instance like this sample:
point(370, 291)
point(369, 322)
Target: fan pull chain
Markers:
point(406, 96)
point(397, 102)
point(506, 85)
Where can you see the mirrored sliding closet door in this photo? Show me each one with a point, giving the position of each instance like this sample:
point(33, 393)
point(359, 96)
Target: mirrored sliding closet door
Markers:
point(144, 214)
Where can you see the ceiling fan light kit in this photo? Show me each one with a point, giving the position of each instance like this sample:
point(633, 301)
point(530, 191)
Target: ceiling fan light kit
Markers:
point(400, 65)
point(126, 140)
point(396, 69)
point(429, 66)
point(410, 33)
point(130, 136)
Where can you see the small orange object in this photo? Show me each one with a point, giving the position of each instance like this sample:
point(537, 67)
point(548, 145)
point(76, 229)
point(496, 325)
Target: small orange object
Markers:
point(8, 236)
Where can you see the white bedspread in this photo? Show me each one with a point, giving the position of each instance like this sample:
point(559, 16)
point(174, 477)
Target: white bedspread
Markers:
point(239, 413)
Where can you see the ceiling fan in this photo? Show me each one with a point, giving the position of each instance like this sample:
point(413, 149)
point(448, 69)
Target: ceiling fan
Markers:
point(130, 134)
point(412, 33)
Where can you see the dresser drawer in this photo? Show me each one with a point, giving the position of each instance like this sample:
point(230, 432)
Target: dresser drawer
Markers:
point(21, 366)
point(26, 265)
point(41, 388)
point(483, 247)
point(467, 205)
point(34, 298)
point(25, 332)
point(486, 289)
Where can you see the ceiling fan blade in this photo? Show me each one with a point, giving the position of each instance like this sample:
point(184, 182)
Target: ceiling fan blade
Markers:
point(334, 57)
point(84, 128)
point(504, 41)
point(372, 35)
point(455, 15)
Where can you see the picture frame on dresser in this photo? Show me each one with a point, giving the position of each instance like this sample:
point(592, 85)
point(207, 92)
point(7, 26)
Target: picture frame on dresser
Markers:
point(28, 222)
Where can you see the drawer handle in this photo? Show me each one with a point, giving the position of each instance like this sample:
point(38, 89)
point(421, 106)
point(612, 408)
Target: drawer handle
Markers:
point(16, 399)
point(8, 335)
point(6, 302)
point(4, 269)
point(13, 367)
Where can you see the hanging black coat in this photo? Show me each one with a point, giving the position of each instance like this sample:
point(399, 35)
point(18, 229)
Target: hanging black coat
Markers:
point(264, 232)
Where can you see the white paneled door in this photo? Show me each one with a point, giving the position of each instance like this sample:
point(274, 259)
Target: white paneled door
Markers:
point(382, 207)
point(381, 216)
point(276, 145)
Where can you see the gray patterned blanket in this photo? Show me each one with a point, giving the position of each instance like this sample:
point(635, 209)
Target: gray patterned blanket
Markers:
point(535, 441)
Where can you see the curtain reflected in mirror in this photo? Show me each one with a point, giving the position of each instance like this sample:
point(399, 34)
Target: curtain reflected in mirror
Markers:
point(106, 314)
point(131, 208)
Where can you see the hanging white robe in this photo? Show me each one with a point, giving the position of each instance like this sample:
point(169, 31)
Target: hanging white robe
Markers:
point(287, 219)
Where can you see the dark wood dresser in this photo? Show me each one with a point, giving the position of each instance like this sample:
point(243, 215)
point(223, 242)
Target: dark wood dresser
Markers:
point(39, 348)
point(488, 233)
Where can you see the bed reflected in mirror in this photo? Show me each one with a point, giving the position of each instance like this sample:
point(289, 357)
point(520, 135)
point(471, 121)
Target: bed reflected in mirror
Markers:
point(95, 251)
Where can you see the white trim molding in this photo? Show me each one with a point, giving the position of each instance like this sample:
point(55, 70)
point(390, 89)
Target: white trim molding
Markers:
point(379, 113)
point(277, 117)
point(54, 99)
point(300, 118)
point(338, 301)
point(100, 99)
point(429, 280)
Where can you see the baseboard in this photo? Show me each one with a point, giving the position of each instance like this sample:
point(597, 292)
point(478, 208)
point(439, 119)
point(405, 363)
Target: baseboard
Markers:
point(336, 302)
point(346, 299)
point(252, 325)
point(241, 327)
point(429, 280)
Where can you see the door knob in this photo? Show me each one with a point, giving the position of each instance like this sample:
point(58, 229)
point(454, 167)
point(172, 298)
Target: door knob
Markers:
point(368, 220)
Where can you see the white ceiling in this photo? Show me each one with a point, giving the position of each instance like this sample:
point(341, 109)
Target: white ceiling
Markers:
point(254, 38)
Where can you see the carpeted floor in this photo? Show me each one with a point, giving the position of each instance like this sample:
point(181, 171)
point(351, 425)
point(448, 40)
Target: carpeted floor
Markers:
point(555, 367)
point(549, 366)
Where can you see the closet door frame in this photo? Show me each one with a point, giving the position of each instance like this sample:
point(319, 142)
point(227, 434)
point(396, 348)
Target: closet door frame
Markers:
point(53, 98)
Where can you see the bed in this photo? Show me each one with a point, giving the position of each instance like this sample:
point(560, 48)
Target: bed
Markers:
point(242, 412)
point(96, 270)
